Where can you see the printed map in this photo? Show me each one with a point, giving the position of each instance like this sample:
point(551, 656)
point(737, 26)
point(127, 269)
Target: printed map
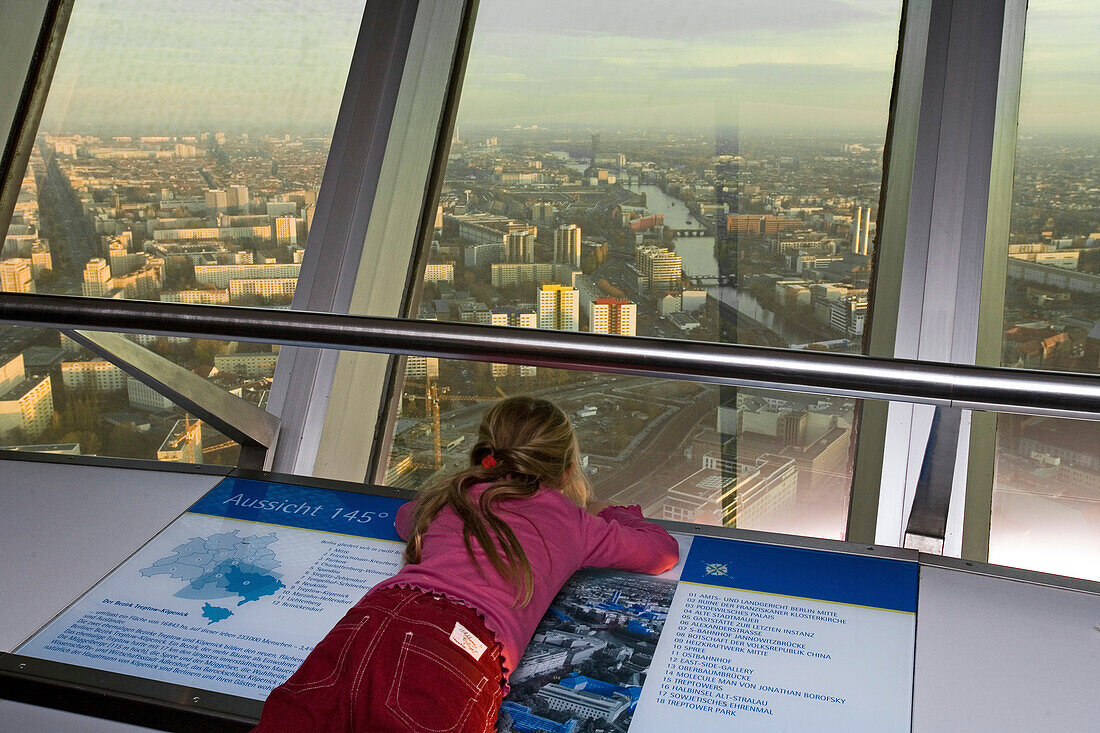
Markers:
point(223, 565)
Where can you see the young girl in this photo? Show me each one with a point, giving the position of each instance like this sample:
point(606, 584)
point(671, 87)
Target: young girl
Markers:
point(430, 649)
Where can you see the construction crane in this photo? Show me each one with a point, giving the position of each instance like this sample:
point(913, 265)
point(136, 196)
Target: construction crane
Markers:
point(433, 395)
point(190, 433)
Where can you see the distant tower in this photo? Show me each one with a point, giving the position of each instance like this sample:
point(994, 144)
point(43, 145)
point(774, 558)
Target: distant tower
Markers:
point(857, 231)
point(867, 233)
point(595, 146)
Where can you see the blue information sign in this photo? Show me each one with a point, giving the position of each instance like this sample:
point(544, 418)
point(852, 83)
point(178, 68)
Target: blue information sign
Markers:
point(323, 510)
point(855, 580)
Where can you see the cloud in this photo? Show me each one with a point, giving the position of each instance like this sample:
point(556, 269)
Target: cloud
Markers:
point(684, 20)
point(785, 74)
point(504, 77)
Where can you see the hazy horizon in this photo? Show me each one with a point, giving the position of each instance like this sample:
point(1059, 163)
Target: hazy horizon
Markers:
point(785, 66)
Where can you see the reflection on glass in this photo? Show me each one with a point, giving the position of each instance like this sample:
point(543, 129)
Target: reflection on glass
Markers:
point(57, 397)
point(704, 171)
point(179, 158)
point(1046, 501)
point(654, 442)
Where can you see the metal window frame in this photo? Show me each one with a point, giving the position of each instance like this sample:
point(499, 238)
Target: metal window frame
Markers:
point(939, 268)
point(884, 302)
point(390, 400)
point(253, 428)
point(976, 513)
point(39, 60)
point(334, 251)
point(322, 436)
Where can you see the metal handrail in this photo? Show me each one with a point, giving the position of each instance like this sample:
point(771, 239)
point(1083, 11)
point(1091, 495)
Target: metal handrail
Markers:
point(1055, 394)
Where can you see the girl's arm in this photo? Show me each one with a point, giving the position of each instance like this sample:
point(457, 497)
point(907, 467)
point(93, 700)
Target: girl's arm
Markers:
point(620, 537)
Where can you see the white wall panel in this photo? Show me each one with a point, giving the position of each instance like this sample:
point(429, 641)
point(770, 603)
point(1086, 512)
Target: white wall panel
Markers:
point(995, 654)
point(63, 527)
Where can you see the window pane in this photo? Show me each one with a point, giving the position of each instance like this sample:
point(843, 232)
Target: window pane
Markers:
point(1046, 501)
point(658, 443)
point(705, 171)
point(57, 397)
point(179, 159)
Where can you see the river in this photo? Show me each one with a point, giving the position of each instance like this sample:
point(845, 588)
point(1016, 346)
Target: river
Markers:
point(697, 254)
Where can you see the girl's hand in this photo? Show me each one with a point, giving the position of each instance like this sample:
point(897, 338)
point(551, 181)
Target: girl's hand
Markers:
point(595, 507)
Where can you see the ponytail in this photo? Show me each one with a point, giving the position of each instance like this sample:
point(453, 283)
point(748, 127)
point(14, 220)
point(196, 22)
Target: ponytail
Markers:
point(524, 444)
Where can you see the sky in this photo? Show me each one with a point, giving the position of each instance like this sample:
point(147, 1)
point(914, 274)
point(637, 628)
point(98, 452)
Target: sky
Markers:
point(703, 64)
point(135, 66)
point(172, 66)
point(1060, 91)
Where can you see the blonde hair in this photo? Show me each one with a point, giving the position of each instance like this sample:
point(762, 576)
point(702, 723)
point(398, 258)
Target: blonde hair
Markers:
point(531, 444)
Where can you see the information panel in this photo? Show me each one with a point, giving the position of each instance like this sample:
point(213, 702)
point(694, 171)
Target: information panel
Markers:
point(742, 636)
point(232, 595)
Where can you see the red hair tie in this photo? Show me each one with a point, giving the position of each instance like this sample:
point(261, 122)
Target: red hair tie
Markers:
point(488, 462)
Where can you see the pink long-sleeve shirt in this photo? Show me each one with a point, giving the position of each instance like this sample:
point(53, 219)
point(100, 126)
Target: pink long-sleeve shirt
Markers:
point(558, 538)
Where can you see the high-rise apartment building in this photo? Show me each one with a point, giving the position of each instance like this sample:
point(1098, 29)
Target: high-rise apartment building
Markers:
point(11, 371)
point(220, 275)
point(506, 274)
point(559, 308)
point(247, 365)
point(16, 276)
point(488, 253)
point(419, 367)
point(281, 208)
point(184, 442)
point(121, 260)
point(268, 287)
point(92, 375)
point(658, 269)
point(567, 244)
point(422, 367)
point(520, 319)
point(861, 231)
point(97, 278)
point(146, 398)
point(307, 216)
point(237, 197)
point(519, 246)
point(27, 406)
point(41, 259)
point(217, 200)
point(848, 315)
point(543, 213)
point(614, 316)
point(286, 230)
point(206, 296)
point(439, 272)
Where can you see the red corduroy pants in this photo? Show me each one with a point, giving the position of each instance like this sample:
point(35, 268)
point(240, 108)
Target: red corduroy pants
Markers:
point(391, 665)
